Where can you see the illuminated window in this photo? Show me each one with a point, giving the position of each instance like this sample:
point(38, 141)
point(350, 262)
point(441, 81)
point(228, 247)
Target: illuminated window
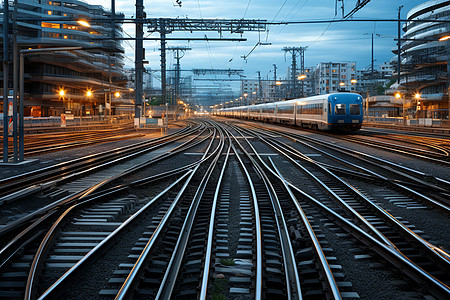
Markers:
point(49, 12)
point(65, 37)
point(334, 71)
point(50, 25)
point(49, 2)
point(65, 26)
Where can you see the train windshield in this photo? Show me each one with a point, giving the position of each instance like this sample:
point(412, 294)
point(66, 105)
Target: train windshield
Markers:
point(354, 109)
point(339, 109)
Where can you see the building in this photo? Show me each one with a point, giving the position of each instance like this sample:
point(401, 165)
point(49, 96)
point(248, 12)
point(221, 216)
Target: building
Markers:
point(330, 77)
point(96, 67)
point(424, 59)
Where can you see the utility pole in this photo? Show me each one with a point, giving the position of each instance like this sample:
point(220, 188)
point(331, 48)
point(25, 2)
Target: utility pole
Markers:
point(259, 86)
point(301, 52)
point(5, 79)
point(139, 61)
point(398, 45)
point(275, 81)
point(178, 51)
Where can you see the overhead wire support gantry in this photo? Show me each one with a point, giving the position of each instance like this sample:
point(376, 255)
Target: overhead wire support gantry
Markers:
point(168, 25)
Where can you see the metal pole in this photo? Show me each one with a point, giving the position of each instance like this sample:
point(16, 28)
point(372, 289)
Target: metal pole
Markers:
point(21, 99)
point(15, 84)
point(448, 85)
point(163, 61)
point(371, 78)
point(398, 45)
point(404, 116)
point(5, 78)
point(139, 53)
point(294, 67)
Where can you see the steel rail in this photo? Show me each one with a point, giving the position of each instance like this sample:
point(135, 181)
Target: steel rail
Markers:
point(437, 288)
point(432, 249)
point(360, 218)
point(442, 185)
point(69, 198)
point(323, 263)
point(58, 287)
point(134, 275)
point(402, 263)
point(412, 152)
point(291, 272)
point(428, 142)
point(439, 254)
point(47, 174)
point(170, 277)
point(259, 268)
point(16, 243)
point(331, 282)
point(398, 184)
point(209, 243)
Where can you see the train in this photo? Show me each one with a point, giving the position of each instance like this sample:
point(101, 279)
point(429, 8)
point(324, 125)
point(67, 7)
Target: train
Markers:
point(331, 112)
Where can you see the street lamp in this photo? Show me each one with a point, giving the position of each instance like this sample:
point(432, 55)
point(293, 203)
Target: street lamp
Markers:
point(398, 95)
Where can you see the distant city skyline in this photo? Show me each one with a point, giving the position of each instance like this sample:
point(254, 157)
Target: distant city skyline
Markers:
point(348, 41)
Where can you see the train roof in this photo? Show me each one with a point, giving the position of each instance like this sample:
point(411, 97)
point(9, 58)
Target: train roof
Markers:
point(291, 101)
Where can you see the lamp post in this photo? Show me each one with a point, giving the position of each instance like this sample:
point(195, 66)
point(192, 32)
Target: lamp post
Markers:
point(398, 96)
point(302, 77)
point(22, 53)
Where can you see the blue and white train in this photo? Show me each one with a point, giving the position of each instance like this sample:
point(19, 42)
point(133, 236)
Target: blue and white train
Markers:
point(337, 111)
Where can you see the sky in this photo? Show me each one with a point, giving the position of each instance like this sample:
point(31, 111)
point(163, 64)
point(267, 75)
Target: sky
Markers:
point(349, 41)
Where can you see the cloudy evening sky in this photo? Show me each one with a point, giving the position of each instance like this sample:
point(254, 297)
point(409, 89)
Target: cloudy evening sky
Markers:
point(349, 41)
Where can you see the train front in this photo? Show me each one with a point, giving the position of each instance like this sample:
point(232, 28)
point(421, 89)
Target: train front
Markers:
point(345, 111)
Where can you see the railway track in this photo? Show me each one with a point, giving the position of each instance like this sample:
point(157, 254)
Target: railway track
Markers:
point(244, 213)
point(57, 141)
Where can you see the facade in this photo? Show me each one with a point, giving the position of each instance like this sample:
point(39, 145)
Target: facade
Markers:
point(330, 77)
point(424, 59)
point(96, 67)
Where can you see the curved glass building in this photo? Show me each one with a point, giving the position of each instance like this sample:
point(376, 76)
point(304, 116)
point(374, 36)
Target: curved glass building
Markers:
point(424, 59)
point(97, 67)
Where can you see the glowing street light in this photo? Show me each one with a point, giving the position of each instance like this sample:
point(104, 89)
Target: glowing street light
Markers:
point(89, 93)
point(117, 94)
point(84, 23)
point(398, 95)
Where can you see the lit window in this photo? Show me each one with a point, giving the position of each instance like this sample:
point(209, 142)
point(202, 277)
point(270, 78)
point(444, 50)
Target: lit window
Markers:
point(49, 12)
point(50, 25)
point(65, 37)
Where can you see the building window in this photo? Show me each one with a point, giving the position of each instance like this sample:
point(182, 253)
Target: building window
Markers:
point(50, 25)
point(49, 12)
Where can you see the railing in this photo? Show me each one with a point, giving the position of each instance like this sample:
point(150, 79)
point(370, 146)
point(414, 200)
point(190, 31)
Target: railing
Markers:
point(420, 122)
point(55, 121)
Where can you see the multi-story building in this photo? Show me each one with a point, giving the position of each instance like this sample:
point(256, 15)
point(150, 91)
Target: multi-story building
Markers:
point(96, 67)
point(424, 59)
point(330, 77)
